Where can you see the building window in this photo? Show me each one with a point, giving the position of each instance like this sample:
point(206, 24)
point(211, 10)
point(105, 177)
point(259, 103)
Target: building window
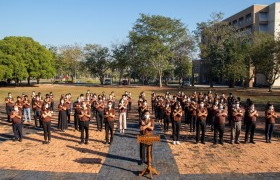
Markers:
point(263, 16)
point(263, 27)
point(248, 17)
point(241, 21)
point(234, 22)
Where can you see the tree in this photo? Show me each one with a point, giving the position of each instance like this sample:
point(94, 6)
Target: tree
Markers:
point(69, 60)
point(154, 37)
point(25, 58)
point(183, 69)
point(265, 55)
point(97, 60)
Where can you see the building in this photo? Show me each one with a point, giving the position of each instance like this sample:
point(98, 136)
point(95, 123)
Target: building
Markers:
point(258, 18)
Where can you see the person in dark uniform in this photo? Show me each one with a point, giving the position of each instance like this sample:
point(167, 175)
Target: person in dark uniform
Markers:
point(202, 114)
point(109, 114)
point(67, 102)
point(177, 116)
point(251, 123)
point(62, 116)
point(9, 105)
point(77, 108)
point(100, 113)
point(219, 123)
point(270, 119)
point(19, 104)
point(192, 110)
point(46, 119)
point(38, 112)
point(16, 116)
point(84, 123)
point(167, 117)
point(52, 102)
point(146, 128)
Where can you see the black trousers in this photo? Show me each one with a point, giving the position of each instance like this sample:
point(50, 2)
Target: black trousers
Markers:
point(176, 130)
point(109, 127)
point(219, 129)
point(9, 109)
point(167, 120)
point(68, 112)
point(17, 129)
point(77, 121)
point(52, 106)
point(38, 117)
point(193, 123)
point(47, 130)
point(129, 106)
point(99, 119)
point(250, 128)
point(84, 129)
point(200, 126)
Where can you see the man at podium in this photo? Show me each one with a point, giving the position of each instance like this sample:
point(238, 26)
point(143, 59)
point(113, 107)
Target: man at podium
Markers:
point(146, 128)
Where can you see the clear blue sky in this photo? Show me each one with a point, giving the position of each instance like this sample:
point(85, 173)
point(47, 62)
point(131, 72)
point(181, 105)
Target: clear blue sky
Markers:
point(60, 22)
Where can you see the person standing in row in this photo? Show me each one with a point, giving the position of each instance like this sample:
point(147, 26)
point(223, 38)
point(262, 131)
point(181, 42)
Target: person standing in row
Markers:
point(67, 102)
point(238, 114)
point(192, 110)
point(62, 116)
point(19, 104)
point(77, 110)
point(167, 117)
point(219, 124)
point(9, 106)
point(270, 119)
point(109, 122)
point(202, 114)
point(251, 123)
point(16, 116)
point(122, 116)
point(177, 118)
point(38, 112)
point(26, 109)
point(100, 113)
point(46, 118)
point(84, 123)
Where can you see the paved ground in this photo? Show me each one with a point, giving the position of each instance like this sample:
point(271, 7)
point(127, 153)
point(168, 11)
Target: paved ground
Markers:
point(64, 158)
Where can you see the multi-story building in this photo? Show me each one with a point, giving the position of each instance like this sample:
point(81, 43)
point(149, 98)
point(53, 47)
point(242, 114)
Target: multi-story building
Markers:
point(258, 18)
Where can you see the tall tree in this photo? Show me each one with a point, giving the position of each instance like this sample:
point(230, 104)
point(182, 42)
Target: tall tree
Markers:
point(266, 57)
point(97, 60)
point(28, 59)
point(154, 37)
point(69, 60)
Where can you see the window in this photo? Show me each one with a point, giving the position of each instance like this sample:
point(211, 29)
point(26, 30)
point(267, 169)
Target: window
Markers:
point(263, 16)
point(248, 17)
point(263, 27)
point(234, 22)
point(241, 21)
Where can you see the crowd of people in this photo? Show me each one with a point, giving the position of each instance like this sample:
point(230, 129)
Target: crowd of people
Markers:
point(199, 110)
point(87, 106)
point(196, 111)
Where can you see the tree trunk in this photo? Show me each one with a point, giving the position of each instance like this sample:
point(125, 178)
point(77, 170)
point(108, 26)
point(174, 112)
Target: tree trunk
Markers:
point(160, 83)
point(38, 80)
point(101, 79)
point(270, 88)
point(28, 80)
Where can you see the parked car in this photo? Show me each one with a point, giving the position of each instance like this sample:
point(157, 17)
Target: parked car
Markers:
point(186, 83)
point(125, 82)
point(107, 82)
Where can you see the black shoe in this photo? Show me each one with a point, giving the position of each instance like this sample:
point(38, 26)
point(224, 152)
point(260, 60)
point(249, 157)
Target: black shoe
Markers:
point(237, 142)
point(269, 141)
point(246, 142)
point(44, 142)
point(49, 141)
point(14, 140)
point(20, 140)
point(196, 142)
point(221, 142)
point(86, 142)
point(215, 143)
point(82, 142)
point(107, 142)
point(202, 142)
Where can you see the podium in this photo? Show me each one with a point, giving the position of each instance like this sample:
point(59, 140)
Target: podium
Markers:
point(148, 140)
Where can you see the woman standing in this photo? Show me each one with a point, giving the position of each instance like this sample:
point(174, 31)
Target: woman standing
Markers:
point(270, 119)
point(62, 116)
point(177, 114)
point(46, 118)
point(122, 117)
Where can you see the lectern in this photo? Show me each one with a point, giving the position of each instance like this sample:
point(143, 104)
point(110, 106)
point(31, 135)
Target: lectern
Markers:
point(148, 140)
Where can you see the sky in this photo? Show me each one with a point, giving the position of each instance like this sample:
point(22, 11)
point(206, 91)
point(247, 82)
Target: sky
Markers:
point(104, 22)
